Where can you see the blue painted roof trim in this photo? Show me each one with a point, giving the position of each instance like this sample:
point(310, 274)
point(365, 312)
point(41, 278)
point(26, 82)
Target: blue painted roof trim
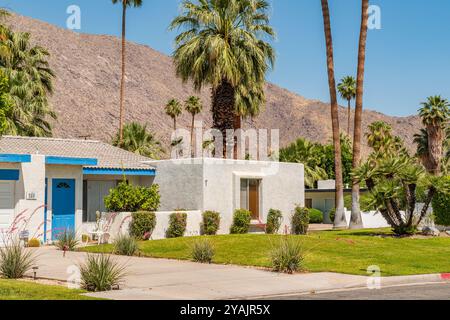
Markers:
point(15, 158)
point(112, 171)
point(9, 175)
point(71, 161)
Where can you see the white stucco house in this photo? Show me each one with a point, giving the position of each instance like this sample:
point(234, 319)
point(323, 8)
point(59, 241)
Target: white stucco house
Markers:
point(48, 185)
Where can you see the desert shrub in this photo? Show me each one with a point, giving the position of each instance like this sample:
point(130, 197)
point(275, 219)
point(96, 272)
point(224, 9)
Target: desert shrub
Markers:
point(315, 216)
point(274, 219)
point(85, 238)
point(15, 261)
point(101, 273)
point(210, 223)
point(177, 225)
point(287, 256)
point(125, 245)
point(128, 198)
point(202, 251)
point(142, 224)
point(34, 243)
point(67, 240)
point(300, 220)
point(441, 209)
point(241, 222)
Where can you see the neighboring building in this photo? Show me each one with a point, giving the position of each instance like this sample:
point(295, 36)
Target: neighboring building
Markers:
point(226, 185)
point(48, 185)
point(323, 199)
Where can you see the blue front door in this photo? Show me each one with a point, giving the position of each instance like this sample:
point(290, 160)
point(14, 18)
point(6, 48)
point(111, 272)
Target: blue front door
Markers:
point(63, 206)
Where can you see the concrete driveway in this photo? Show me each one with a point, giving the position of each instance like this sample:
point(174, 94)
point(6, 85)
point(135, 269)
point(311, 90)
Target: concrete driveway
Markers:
point(155, 279)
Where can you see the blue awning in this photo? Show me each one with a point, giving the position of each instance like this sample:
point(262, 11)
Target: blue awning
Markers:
point(119, 172)
point(9, 175)
point(15, 158)
point(71, 161)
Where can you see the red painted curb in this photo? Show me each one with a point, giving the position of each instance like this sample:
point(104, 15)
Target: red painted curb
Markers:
point(445, 276)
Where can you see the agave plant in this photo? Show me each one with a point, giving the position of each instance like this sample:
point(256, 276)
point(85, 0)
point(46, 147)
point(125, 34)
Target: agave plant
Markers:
point(101, 273)
point(15, 260)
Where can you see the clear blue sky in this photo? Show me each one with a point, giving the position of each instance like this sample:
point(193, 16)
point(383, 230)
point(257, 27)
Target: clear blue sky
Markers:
point(407, 60)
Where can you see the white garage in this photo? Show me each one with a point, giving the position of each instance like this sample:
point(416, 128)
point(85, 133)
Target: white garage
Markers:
point(6, 204)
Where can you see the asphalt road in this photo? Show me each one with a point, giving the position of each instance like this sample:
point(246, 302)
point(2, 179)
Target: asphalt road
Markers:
point(418, 292)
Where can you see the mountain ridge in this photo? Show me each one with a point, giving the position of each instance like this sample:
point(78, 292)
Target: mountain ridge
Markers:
point(86, 95)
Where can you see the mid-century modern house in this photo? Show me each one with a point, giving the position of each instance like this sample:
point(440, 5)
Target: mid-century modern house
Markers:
point(48, 185)
point(225, 185)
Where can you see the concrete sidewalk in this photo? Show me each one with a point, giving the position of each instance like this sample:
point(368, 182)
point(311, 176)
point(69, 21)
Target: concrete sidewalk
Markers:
point(160, 279)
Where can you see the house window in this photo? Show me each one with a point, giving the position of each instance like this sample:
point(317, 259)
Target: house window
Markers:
point(308, 203)
point(94, 193)
point(250, 196)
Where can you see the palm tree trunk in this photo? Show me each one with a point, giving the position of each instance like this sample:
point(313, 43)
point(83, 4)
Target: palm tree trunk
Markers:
point(435, 143)
point(223, 113)
point(340, 220)
point(122, 80)
point(237, 126)
point(356, 221)
point(192, 137)
point(349, 117)
point(175, 124)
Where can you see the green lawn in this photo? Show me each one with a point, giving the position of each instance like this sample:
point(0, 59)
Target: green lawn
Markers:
point(22, 290)
point(350, 252)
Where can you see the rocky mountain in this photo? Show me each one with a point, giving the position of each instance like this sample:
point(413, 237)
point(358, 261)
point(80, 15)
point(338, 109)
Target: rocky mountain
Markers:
point(86, 94)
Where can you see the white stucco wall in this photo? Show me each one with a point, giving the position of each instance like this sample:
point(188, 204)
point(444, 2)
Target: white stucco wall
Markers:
point(120, 223)
point(28, 214)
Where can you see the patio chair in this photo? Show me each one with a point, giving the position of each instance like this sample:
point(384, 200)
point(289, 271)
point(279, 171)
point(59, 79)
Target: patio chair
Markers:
point(102, 228)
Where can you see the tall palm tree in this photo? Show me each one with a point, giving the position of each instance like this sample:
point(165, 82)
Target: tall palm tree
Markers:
point(435, 113)
point(30, 82)
point(194, 106)
point(138, 139)
point(125, 5)
point(355, 220)
point(222, 44)
point(347, 90)
point(340, 220)
point(174, 110)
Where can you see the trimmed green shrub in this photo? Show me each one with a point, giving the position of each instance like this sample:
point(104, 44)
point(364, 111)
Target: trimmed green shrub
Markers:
point(128, 198)
point(67, 240)
point(202, 251)
point(210, 223)
point(287, 256)
point(101, 273)
point(332, 214)
point(315, 216)
point(142, 224)
point(274, 219)
point(441, 209)
point(15, 261)
point(177, 225)
point(241, 222)
point(125, 245)
point(300, 221)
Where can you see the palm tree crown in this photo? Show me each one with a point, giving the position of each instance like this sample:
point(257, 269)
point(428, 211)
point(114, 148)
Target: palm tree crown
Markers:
point(129, 3)
point(137, 139)
point(347, 88)
point(193, 105)
point(30, 82)
point(435, 111)
point(174, 110)
point(222, 45)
